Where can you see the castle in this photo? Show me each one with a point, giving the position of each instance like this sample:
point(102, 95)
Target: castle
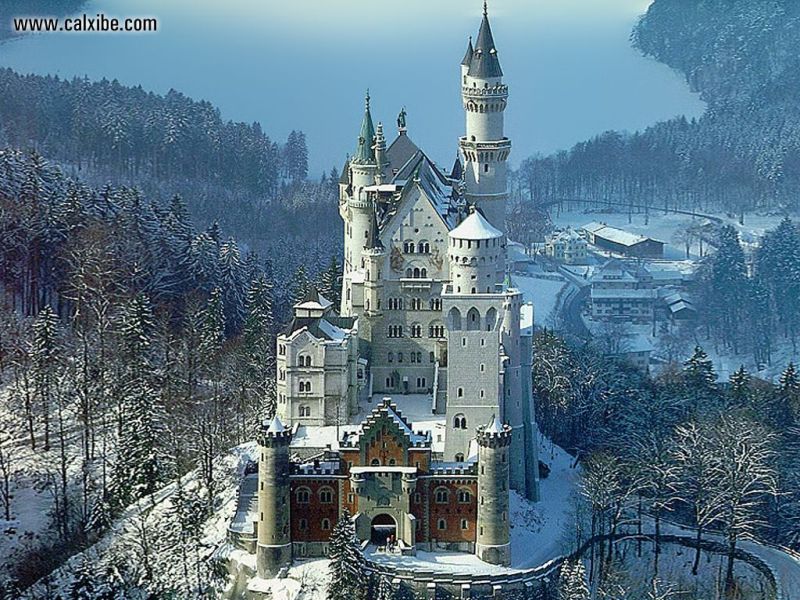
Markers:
point(428, 312)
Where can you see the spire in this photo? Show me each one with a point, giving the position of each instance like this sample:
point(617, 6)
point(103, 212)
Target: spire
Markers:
point(468, 56)
point(485, 8)
point(365, 154)
point(484, 63)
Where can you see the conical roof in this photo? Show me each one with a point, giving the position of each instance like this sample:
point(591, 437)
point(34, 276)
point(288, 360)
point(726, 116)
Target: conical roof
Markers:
point(275, 426)
point(495, 427)
point(468, 56)
point(365, 153)
point(475, 227)
point(484, 63)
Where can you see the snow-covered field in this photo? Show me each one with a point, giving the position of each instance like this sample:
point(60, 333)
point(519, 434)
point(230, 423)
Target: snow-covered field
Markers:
point(664, 227)
point(542, 292)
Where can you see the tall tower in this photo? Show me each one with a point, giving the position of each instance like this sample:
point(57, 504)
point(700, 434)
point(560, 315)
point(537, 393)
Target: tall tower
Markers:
point(484, 148)
point(356, 206)
point(493, 541)
point(274, 549)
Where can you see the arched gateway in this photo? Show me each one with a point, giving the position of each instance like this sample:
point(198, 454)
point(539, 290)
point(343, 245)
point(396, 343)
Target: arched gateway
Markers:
point(383, 527)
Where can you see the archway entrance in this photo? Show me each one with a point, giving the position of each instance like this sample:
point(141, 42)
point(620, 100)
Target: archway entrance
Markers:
point(384, 527)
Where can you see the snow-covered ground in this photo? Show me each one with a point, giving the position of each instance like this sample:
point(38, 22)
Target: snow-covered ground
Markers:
point(542, 292)
point(665, 227)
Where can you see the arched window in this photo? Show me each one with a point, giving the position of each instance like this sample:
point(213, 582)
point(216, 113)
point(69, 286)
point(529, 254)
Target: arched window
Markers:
point(302, 525)
point(432, 357)
point(375, 462)
point(416, 330)
point(384, 501)
point(303, 495)
point(460, 392)
point(325, 525)
point(408, 247)
point(454, 319)
point(460, 421)
point(326, 495)
point(464, 496)
point(459, 458)
point(442, 495)
point(399, 357)
point(424, 273)
point(409, 273)
point(491, 319)
point(435, 304)
point(416, 272)
point(473, 319)
point(305, 411)
point(442, 524)
point(390, 357)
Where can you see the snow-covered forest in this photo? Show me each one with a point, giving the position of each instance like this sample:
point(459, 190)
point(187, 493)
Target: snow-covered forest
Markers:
point(741, 155)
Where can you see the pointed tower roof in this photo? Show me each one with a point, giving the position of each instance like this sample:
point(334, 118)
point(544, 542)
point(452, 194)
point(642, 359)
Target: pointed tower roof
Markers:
point(458, 169)
point(365, 153)
point(275, 426)
point(484, 63)
point(495, 427)
point(468, 56)
point(475, 227)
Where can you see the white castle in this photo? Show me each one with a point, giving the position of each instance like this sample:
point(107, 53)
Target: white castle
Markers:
point(427, 306)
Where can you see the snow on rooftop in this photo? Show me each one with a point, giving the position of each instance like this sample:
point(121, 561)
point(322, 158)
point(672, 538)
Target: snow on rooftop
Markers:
point(331, 330)
point(613, 234)
point(276, 426)
point(476, 227)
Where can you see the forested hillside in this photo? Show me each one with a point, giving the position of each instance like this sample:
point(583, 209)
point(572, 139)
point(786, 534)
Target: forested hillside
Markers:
point(742, 154)
point(134, 346)
point(229, 173)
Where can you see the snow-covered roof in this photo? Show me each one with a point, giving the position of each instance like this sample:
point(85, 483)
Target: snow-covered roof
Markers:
point(332, 331)
point(476, 227)
point(383, 469)
point(618, 236)
point(276, 426)
point(495, 427)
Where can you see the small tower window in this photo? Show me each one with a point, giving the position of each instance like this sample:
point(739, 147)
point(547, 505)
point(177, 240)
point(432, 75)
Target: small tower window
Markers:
point(442, 524)
point(442, 495)
point(486, 168)
point(326, 525)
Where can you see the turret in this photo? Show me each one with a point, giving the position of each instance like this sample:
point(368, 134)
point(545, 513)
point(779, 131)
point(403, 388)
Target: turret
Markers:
point(485, 148)
point(374, 255)
point(493, 541)
point(477, 255)
point(274, 549)
point(357, 208)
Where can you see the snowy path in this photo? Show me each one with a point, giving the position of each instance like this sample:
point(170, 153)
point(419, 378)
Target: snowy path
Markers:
point(785, 563)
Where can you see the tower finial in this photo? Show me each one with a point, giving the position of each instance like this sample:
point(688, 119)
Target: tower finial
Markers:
point(485, 8)
point(367, 99)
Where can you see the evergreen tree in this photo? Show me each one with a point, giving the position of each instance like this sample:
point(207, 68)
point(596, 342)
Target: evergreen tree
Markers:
point(740, 386)
point(258, 343)
point(83, 586)
point(789, 387)
point(346, 562)
point(331, 281)
point(100, 515)
point(699, 378)
point(384, 589)
point(299, 286)
point(572, 583)
point(141, 464)
point(232, 283)
point(45, 361)
point(295, 157)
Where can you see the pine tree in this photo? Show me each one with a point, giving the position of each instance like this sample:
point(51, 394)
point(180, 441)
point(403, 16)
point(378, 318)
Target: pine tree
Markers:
point(141, 464)
point(346, 562)
point(740, 386)
point(83, 586)
point(299, 285)
point(384, 589)
point(331, 281)
point(789, 384)
point(258, 344)
point(572, 583)
point(232, 283)
point(100, 515)
point(700, 378)
point(45, 361)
